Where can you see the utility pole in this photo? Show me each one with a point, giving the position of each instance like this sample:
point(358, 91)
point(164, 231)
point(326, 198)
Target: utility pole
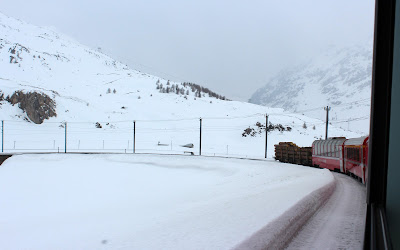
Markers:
point(2, 136)
point(327, 108)
point(266, 134)
point(134, 137)
point(65, 139)
point(200, 135)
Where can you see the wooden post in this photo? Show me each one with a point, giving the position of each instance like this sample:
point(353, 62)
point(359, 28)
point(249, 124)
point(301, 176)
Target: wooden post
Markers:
point(2, 136)
point(134, 137)
point(200, 135)
point(65, 139)
point(266, 134)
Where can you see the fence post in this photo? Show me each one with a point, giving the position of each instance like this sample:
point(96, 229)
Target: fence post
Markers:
point(134, 137)
point(266, 134)
point(65, 139)
point(2, 136)
point(200, 135)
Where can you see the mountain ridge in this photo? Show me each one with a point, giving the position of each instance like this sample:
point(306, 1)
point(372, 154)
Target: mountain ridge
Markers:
point(334, 78)
point(102, 100)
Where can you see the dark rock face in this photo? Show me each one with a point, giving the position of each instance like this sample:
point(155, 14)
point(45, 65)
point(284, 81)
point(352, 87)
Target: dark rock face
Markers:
point(38, 106)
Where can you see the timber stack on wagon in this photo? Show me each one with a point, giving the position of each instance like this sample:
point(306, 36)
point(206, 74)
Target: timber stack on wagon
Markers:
point(289, 152)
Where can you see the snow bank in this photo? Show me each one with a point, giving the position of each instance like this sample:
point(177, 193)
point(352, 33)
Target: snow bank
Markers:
point(278, 233)
point(122, 201)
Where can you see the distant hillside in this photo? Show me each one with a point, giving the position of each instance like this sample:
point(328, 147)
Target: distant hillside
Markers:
point(49, 79)
point(340, 78)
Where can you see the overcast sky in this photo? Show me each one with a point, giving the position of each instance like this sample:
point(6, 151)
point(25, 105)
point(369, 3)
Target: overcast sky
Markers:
point(232, 47)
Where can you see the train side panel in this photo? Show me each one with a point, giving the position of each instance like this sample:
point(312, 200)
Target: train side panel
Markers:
point(356, 157)
point(329, 153)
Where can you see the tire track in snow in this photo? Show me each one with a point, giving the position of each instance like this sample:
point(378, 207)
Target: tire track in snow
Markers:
point(340, 223)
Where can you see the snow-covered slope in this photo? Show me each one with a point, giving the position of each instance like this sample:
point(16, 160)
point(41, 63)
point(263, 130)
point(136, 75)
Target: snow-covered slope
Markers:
point(100, 98)
point(59, 201)
point(340, 78)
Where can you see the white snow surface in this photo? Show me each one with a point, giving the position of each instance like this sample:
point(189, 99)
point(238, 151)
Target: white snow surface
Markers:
point(338, 77)
point(77, 78)
point(340, 223)
point(120, 201)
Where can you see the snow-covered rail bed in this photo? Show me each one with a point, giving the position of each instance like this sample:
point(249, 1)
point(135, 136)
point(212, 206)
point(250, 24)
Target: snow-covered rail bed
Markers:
point(144, 201)
point(340, 223)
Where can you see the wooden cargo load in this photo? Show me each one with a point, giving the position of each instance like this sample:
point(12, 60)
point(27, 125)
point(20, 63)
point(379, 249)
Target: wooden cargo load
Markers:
point(289, 152)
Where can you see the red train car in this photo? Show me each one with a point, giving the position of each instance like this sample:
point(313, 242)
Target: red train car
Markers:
point(343, 155)
point(356, 157)
point(328, 153)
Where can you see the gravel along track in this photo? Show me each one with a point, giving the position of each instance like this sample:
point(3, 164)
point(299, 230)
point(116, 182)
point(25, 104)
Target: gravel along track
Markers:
point(340, 223)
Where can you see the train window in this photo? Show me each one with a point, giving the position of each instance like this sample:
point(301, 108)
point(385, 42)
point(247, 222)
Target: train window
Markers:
point(326, 148)
point(353, 154)
point(330, 148)
point(320, 148)
point(349, 153)
point(329, 151)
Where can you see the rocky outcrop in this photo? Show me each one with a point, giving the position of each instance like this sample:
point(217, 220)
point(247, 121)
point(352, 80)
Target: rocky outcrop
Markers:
point(38, 106)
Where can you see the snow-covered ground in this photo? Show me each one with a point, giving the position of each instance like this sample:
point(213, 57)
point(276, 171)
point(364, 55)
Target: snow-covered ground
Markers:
point(120, 201)
point(82, 81)
point(340, 223)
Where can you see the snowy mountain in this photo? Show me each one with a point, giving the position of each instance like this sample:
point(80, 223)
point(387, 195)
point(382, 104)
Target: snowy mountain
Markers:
point(47, 79)
point(340, 78)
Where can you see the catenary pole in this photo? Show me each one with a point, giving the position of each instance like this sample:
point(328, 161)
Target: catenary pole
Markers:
point(134, 137)
point(2, 136)
point(200, 135)
point(65, 139)
point(266, 134)
point(327, 108)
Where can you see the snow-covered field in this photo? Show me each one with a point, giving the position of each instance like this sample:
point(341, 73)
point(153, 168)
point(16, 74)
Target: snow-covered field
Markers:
point(82, 81)
point(120, 201)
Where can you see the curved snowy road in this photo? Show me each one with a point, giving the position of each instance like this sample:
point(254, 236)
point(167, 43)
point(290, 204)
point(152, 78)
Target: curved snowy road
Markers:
point(339, 224)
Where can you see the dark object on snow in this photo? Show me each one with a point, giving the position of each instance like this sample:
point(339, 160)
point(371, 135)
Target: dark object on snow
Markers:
point(291, 153)
point(162, 144)
point(190, 145)
point(38, 106)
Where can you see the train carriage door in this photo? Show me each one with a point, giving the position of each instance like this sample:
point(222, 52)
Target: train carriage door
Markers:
point(342, 158)
point(362, 164)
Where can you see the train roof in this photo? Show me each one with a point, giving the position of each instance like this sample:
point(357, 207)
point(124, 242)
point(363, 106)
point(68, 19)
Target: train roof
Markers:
point(356, 141)
point(331, 139)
